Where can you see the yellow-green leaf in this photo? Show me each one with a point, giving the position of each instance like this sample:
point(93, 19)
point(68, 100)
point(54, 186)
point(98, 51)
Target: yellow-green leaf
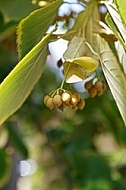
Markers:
point(79, 69)
point(32, 28)
point(18, 84)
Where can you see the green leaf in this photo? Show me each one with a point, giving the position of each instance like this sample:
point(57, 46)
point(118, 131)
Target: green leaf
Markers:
point(115, 22)
point(18, 84)
point(122, 9)
point(81, 67)
point(76, 48)
point(114, 75)
point(82, 20)
point(32, 28)
point(17, 141)
point(15, 10)
point(4, 167)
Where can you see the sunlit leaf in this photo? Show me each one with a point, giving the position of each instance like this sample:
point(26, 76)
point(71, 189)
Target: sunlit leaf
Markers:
point(32, 28)
point(114, 75)
point(115, 22)
point(81, 67)
point(121, 55)
point(122, 9)
point(18, 84)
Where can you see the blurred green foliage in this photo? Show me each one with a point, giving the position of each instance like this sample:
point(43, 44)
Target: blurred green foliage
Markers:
point(85, 150)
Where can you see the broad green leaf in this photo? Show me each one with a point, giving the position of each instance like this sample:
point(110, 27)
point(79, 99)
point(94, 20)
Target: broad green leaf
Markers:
point(74, 73)
point(32, 28)
point(81, 67)
point(18, 84)
point(15, 10)
point(114, 75)
point(121, 55)
point(122, 9)
point(76, 48)
point(81, 20)
point(116, 19)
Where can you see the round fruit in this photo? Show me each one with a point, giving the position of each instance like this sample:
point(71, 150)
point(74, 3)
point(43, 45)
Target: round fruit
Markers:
point(65, 97)
point(88, 85)
point(50, 103)
point(100, 92)
point(92, 92)
point(57, 100)
point(73, 100)
point(98, 85)
point(46, 98)
point(81, 104)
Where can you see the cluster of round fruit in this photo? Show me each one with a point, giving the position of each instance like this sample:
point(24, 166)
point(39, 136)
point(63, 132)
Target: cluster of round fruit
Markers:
point(62, 99)
point(95, 88)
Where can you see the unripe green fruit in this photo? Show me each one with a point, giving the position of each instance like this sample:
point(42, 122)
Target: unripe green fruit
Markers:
point(92, 92)
point(81, 104)
point(46, 98)
point(57, 100)
point(98, 85)
point(65, 97)
point(88, 85)
point(50, 103)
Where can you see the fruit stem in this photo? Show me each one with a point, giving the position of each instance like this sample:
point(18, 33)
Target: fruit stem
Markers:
point(61, 87)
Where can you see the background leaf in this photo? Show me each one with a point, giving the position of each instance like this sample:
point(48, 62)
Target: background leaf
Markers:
point(17, 141)
point(114, 75)
point(19, 83)
point(15, 10)
point(32, 28)
point(4, 167)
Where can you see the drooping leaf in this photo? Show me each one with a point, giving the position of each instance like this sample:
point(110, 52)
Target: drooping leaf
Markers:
point(121, 55)
point(81, 20)
point(122, 9)
point(32, 28)
point(115, 22)
point(114, 75)
point(15, 10)
point(76, 48)
point(81, 67)
point(18, 84)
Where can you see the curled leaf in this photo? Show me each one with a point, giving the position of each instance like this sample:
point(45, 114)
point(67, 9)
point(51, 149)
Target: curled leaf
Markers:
point(78, 69)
